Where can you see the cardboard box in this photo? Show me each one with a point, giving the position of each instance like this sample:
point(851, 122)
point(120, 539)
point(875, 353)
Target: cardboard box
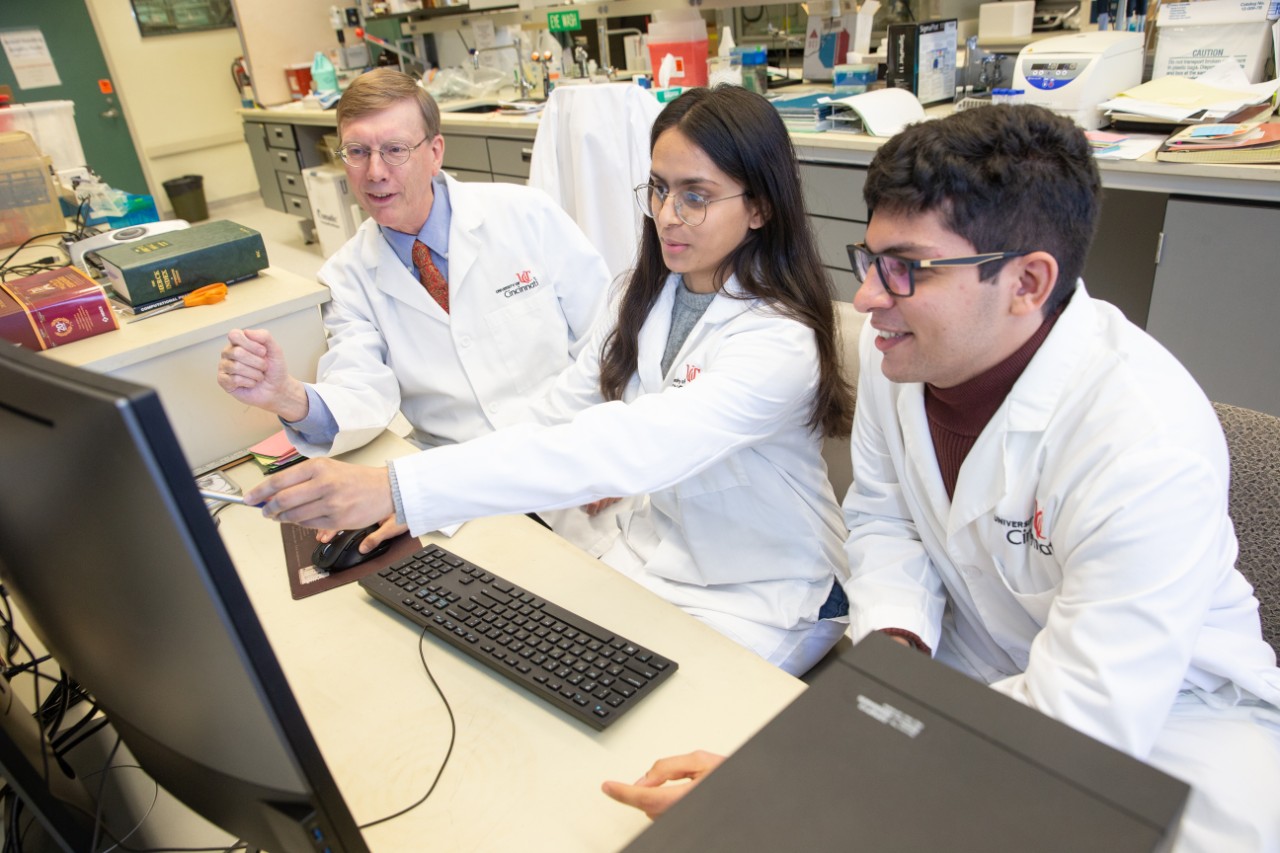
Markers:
point(1008, 19)
point(53, 308)
point(922, 59)
point(178, 262)
point(28, 198)
point(826, 44)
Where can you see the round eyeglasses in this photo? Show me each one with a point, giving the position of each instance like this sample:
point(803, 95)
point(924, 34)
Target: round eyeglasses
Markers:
point(393, 153)
point(691, 207)
point(898, 275)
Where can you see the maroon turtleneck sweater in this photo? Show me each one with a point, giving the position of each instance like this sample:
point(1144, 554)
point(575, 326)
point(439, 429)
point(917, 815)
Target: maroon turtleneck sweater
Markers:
point(957, 415)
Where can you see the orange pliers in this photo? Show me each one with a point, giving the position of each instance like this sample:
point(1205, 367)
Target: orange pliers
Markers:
point(207, 295)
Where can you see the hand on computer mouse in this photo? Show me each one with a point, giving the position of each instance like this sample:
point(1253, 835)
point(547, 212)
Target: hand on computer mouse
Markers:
point(343, 550)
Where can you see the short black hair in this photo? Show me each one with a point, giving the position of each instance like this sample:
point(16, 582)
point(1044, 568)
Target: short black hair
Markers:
point(1005, 178)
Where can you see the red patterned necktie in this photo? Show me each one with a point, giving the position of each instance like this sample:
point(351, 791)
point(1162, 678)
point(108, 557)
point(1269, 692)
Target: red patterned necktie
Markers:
point(429, 275)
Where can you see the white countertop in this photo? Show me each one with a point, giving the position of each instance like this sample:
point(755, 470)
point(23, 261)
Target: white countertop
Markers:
point(1241, 182)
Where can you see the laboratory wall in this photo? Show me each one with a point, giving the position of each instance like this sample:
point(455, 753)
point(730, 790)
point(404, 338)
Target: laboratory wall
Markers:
point(179, 98)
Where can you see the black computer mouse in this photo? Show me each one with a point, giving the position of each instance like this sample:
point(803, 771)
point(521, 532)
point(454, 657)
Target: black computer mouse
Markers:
point(343, 550)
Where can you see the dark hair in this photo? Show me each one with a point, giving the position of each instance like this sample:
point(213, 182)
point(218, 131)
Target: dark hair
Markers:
point(377, 89)
point(1004, 178)
point(744, 136)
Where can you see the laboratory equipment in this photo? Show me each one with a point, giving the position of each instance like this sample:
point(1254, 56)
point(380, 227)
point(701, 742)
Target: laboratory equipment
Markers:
point(1072, 74)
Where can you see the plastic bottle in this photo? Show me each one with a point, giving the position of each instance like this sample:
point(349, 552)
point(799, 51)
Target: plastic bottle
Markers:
point(323, 75)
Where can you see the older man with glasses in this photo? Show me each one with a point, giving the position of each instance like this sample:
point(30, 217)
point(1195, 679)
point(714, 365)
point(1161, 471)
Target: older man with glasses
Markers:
point(455, 303)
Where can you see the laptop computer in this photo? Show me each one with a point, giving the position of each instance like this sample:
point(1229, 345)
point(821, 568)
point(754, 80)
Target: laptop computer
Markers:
point(889, 750)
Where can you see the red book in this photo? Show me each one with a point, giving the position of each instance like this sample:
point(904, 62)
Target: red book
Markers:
point(52, 308)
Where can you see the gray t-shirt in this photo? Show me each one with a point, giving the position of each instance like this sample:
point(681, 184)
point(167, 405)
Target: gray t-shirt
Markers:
point(688, 307)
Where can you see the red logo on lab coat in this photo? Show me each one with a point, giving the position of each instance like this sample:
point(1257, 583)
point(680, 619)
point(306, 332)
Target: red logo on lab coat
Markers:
point(1037, 522)
point(691, 372)
point(524, 276)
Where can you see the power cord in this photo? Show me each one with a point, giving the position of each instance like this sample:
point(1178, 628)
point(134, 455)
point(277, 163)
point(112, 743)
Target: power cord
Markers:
point(453, 734)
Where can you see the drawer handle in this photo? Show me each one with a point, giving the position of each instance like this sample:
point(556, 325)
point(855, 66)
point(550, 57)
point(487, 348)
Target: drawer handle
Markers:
point(526, 154)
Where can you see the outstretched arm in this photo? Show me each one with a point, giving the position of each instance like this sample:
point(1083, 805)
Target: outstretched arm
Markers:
point(651, 794)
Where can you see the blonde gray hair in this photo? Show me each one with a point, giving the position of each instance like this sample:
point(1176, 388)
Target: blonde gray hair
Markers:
point(381, 88)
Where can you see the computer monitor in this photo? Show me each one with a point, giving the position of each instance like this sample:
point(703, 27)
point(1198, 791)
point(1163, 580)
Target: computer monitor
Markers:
point(114, 561)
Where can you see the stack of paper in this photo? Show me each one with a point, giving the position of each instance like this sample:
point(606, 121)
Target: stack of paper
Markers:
point(275, 453)
point(1122, 146)
point(881, 112)
point(1223, 94)
point(1228, 144)
point(804, 113)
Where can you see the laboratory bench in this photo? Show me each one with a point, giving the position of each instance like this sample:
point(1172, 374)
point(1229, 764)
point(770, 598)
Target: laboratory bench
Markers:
point(1185, 250)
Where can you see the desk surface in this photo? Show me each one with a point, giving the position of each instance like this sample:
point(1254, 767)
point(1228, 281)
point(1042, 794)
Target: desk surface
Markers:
point(249, 304)
point(522, 776)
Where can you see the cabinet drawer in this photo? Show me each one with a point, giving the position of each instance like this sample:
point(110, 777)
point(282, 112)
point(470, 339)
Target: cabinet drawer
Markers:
point(281, 136)
point(511, 156)
point(468, 176)
point(832, 236)
point(466, 152)
point(285, 161)
point(291, 183)
point(297, 205)
point(834, 191)
point(846, 284)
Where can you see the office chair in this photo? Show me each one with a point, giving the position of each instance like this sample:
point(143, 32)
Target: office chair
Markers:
point(1253, 440)
point(835, 449)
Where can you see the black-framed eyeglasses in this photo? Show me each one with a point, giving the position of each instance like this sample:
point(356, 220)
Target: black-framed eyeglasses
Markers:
point(393, 153)
point(898, 275)
point(691, 207)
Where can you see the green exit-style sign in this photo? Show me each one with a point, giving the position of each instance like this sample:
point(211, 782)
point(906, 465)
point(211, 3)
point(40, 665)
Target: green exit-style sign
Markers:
point(564, 22)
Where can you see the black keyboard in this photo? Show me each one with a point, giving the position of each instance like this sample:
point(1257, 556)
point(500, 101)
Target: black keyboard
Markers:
point(585, 670)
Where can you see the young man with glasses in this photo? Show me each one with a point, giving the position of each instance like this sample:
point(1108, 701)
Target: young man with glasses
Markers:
point(1040, 489)
point(455, 303)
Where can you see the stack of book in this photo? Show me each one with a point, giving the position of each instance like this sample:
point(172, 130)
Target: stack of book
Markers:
point(157, 271)
point(1223, 143)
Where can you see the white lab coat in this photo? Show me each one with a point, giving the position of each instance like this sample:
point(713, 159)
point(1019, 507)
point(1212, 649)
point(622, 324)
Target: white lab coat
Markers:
point(1086, 560)
point(591, 151)
point(525, 287)
point(741, 518)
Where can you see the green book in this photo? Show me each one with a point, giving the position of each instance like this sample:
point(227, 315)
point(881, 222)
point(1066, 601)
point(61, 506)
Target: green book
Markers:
point(178, 262)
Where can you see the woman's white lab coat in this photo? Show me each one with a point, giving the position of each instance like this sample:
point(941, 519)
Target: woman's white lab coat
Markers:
point(524, 287)
point(1086, 561)
point(741, 517)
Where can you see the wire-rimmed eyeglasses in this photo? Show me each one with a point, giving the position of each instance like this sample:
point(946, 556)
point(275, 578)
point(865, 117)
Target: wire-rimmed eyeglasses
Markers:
point(393, 153)
point(691, 207)
point(898, 275)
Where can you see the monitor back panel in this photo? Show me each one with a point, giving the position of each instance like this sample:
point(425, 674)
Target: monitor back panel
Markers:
point(890, 751)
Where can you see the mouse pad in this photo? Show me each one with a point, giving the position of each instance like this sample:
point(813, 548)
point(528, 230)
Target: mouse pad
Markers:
point(305, 579)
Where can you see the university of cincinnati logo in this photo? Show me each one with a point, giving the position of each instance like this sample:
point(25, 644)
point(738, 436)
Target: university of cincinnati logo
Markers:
point(691, 372)
point(1030, 532)
point(525, 280)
